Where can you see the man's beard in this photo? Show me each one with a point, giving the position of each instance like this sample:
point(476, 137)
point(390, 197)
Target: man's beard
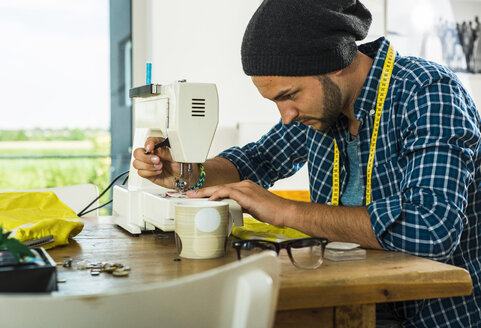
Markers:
point(331, 106)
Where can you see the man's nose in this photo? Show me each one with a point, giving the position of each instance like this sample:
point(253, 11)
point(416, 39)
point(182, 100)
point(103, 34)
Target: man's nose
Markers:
point(288, 113)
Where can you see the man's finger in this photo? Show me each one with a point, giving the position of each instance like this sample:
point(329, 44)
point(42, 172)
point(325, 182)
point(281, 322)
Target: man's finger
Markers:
point(149, 173)
point(151, 142)
point(149, 145)
point(164, 153)
point(203, 192)
point(221, 193)
point(139, 165)
point(235, 194)
point(139, 154)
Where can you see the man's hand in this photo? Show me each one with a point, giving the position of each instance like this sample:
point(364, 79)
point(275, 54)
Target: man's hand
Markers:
point(158, 166)
point(254, 199)
point(336, 223)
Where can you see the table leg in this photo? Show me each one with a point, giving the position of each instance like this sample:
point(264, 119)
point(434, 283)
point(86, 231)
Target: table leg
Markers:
point(322, 317)
point(362, 316)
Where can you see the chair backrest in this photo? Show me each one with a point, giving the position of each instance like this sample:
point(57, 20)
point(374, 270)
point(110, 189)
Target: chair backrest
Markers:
point(241, 295)
point(77, 197)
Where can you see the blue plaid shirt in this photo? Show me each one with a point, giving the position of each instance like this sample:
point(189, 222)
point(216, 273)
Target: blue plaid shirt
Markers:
point(426, 180)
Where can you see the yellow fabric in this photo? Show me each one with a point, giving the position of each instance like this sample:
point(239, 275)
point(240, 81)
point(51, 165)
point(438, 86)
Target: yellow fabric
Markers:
point(254, 229)
point(299, 195)
point(33, 215)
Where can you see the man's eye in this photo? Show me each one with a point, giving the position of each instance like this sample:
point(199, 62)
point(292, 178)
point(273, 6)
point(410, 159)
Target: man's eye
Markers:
point(290, 96)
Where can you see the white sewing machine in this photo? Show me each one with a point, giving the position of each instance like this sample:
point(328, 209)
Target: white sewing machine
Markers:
point(186, 114)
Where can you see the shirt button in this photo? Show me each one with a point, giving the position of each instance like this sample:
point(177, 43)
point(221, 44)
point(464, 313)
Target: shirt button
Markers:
point(372, 112)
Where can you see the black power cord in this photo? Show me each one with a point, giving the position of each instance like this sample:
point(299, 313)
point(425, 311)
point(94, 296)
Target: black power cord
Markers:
point(93, 209)
point(84, 211)
point(107, 203)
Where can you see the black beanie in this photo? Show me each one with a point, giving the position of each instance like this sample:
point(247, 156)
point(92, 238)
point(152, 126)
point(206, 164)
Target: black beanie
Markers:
point(303, 37)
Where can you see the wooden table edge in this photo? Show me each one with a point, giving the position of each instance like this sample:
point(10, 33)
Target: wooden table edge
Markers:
point(327, 296)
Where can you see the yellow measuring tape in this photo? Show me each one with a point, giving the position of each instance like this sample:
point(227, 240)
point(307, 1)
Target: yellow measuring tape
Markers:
point(381, 97)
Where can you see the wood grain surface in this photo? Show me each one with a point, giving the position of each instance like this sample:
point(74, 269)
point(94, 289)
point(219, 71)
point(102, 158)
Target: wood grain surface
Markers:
point(381, 277)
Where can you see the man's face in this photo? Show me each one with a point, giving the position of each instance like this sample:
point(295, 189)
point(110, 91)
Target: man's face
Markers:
point(311, 100)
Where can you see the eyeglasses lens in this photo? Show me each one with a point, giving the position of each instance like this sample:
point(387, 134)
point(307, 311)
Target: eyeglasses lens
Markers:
point(307, 254)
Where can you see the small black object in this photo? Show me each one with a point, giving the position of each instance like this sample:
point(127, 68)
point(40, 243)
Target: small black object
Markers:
point(145, 90)
point(18, 277)
point(177, 260)
point(165, 143)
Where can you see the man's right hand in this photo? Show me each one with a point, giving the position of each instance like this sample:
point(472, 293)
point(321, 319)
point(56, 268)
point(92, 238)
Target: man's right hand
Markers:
point(156, 166)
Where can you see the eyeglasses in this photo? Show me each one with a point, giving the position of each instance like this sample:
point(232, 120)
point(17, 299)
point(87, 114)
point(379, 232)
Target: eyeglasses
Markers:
point(304, 253)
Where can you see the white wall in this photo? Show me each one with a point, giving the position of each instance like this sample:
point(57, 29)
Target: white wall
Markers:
point(200, 41)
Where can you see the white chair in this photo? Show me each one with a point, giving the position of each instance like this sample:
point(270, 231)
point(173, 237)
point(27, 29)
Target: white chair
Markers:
point(77, 197)
point(240, 294)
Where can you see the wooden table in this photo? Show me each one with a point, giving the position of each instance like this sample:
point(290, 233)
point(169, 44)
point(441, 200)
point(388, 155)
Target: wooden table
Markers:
point(338, 294)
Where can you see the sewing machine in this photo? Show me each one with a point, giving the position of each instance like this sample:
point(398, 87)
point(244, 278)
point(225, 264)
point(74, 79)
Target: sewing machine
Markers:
point(186, 115)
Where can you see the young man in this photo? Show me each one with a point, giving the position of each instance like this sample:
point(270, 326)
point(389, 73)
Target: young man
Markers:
point(392, 144)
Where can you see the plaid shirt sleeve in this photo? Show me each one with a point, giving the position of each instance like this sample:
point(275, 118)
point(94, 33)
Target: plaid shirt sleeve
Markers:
point(436, 166)
point(278, 154)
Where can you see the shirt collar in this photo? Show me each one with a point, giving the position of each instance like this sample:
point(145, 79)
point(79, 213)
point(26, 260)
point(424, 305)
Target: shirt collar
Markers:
point(367, 99)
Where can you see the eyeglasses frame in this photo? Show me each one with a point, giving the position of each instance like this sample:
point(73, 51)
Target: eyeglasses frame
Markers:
point(286, 244)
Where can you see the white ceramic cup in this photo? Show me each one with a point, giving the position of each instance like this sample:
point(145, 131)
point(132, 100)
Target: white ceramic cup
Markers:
point(201, 228)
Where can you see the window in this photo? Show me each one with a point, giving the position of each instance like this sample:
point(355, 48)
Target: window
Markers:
point(55, 92)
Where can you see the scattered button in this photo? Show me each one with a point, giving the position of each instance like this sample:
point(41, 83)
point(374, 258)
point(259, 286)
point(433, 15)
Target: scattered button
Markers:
point(82, 265)
point(120, 273)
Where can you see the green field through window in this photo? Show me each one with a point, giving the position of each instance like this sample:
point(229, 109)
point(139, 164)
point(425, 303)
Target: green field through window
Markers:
point(40, 163)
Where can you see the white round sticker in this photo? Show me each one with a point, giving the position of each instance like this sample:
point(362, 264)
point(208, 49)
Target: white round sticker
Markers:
point(207, 220)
